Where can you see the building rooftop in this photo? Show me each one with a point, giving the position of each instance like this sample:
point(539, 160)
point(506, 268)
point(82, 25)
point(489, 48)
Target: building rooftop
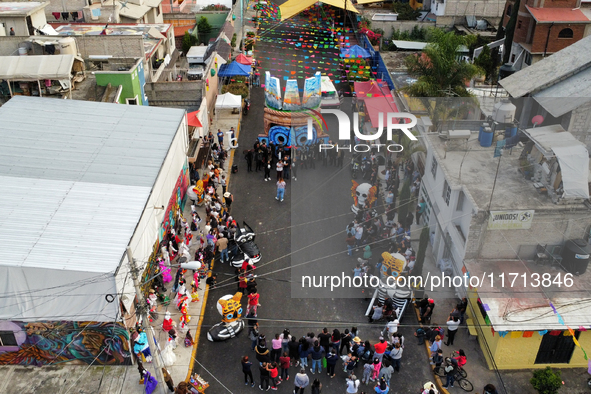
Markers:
point(151, 39)
point(21, 8)
point(513, 306)
point(557, 15)
point(93, 163)
point(474, 167)
point(550, 71)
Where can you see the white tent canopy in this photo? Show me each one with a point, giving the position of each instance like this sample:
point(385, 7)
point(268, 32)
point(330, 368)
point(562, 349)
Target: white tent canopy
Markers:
point(228, 100)
point(35, 68)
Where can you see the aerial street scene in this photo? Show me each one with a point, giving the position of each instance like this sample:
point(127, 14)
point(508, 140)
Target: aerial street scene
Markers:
point(301, 196)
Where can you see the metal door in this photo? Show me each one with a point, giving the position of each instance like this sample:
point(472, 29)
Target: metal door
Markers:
point(556, 349)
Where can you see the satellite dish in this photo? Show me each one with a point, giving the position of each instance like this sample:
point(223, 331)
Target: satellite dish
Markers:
point(537, 120)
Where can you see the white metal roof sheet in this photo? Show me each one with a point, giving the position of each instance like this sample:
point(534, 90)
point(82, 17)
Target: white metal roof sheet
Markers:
point(36, 67)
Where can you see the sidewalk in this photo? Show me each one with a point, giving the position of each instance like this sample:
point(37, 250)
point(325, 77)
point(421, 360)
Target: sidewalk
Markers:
point(82, 379)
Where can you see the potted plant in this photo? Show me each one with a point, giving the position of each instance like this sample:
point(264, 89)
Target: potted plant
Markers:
point(546, 381)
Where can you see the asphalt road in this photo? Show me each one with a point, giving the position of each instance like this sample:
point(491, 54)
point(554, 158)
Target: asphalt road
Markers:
point(308, 225)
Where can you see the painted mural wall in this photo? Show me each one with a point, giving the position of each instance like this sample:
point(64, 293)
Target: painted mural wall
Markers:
point(57, 342)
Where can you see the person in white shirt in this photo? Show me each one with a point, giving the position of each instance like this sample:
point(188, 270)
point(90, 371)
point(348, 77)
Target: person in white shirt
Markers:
point(391, 328)
point(352, 384)
point(452, 328)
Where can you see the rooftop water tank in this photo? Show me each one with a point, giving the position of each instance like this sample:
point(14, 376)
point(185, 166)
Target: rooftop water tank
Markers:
point(504, 112)
point(68, 46)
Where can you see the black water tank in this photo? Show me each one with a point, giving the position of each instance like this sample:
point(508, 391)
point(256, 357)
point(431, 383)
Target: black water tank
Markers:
point(506, 70)
point(575, 256)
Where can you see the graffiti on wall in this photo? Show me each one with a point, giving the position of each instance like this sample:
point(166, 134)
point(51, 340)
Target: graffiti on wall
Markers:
point(56, 342)
point(176, 202)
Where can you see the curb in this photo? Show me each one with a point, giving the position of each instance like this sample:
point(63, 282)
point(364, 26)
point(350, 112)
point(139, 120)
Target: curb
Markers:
point(436, 377)
point(206, 292)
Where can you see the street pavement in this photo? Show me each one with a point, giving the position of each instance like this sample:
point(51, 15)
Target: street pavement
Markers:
point(318, 203)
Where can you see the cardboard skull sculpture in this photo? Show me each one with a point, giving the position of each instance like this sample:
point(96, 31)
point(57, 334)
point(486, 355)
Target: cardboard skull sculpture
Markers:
point(362, 193)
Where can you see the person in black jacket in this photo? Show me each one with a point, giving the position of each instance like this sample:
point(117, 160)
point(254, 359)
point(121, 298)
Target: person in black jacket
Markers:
point(324, 339)
point(317, 354)
point(262, 353)
point(248, 155)
point(264, 376)
point(294, 353)
point(246, 366)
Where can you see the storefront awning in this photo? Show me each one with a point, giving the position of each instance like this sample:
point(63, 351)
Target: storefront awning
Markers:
point(294, 7)
point(34, 68)
point(376, 106)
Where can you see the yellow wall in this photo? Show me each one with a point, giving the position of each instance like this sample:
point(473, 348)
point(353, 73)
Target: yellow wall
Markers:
point(518, 353)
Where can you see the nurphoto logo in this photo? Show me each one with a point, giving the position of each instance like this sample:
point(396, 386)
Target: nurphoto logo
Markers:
point(344, 124)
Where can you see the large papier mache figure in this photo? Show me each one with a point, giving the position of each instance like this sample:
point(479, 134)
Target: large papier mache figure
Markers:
point(231, 310)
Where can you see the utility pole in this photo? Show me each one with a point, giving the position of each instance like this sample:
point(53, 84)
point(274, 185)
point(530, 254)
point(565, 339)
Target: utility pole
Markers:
point(242, 24)
point(142, 310)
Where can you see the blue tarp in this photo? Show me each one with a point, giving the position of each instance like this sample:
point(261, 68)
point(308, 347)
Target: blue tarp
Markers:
point(355, 51)
point(234, 69)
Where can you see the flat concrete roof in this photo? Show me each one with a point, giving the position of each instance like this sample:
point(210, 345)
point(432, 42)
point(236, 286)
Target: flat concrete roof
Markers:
point(515, 305)
point(475, 168)
point(20, 8)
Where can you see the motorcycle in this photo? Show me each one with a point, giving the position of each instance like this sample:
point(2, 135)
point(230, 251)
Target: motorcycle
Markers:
point(246, 106)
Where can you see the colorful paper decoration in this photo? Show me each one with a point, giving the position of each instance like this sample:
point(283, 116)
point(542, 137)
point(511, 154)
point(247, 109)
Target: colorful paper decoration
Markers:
point(516, 334)
point(528, 334)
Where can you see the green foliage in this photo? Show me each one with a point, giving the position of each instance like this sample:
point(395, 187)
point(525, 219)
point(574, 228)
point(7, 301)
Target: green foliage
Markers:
point(510, 30)
point(438, 70)
point(364, 23)
point(423, 243)
point(546, 381)
point(203, 28)
point(405, 12)
point(487, 63)
point(215, 7)
point(474, 42)
point(188, 41)
point(233, 42)
point(416, 34)
point(404, 201)
point(236, 88)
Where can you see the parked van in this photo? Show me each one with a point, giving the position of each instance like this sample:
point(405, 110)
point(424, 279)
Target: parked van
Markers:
point(330, 96)
point(196, 60)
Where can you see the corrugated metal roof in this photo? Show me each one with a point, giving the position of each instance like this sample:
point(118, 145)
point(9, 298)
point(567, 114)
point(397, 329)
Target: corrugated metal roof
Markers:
point(567, 94)
point(76, 177)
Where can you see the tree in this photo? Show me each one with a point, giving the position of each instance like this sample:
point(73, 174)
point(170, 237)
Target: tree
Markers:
point(438, 70)
point(404, 202)
point(510, 30)
point(486, 63)
point(546, 381)
point(423, 243)
point(405, 12)
point(188, 41)
point(203, 28)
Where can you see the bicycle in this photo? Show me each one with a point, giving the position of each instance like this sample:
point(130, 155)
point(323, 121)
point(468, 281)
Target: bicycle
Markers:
point(464, 383)
point(439, 371)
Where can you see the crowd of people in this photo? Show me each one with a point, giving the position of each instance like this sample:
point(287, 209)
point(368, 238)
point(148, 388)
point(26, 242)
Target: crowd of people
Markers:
point(331, 352)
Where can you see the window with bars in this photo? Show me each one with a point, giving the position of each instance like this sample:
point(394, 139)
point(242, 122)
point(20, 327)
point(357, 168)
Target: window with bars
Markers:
point(446, 192)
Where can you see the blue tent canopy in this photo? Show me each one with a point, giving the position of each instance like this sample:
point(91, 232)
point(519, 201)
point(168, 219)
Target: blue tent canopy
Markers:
point(355, 51)
point(233, 69)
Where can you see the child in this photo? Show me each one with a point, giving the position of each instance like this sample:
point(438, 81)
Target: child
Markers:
point(194, 294)
point(377, 365)
point(367, 372)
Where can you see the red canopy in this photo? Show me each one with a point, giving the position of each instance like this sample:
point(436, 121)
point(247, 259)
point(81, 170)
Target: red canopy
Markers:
point(369, 89)
point(193, 120)
point(244, 59)
point(379, 105)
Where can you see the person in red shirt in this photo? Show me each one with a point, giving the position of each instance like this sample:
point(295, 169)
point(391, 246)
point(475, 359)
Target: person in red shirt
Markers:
point(253, 303)
point(274, 374)
point(380, 348)
point(284, 362)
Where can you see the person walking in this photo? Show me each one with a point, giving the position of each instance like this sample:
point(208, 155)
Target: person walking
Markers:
point(301, 381)
point(316, 387)
point(420, 209)
point(452, 328)
point(253, 303)
point(280, 190)
point(352, 384)
point(248, 155)
point(267, 167)
point(246, 369)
